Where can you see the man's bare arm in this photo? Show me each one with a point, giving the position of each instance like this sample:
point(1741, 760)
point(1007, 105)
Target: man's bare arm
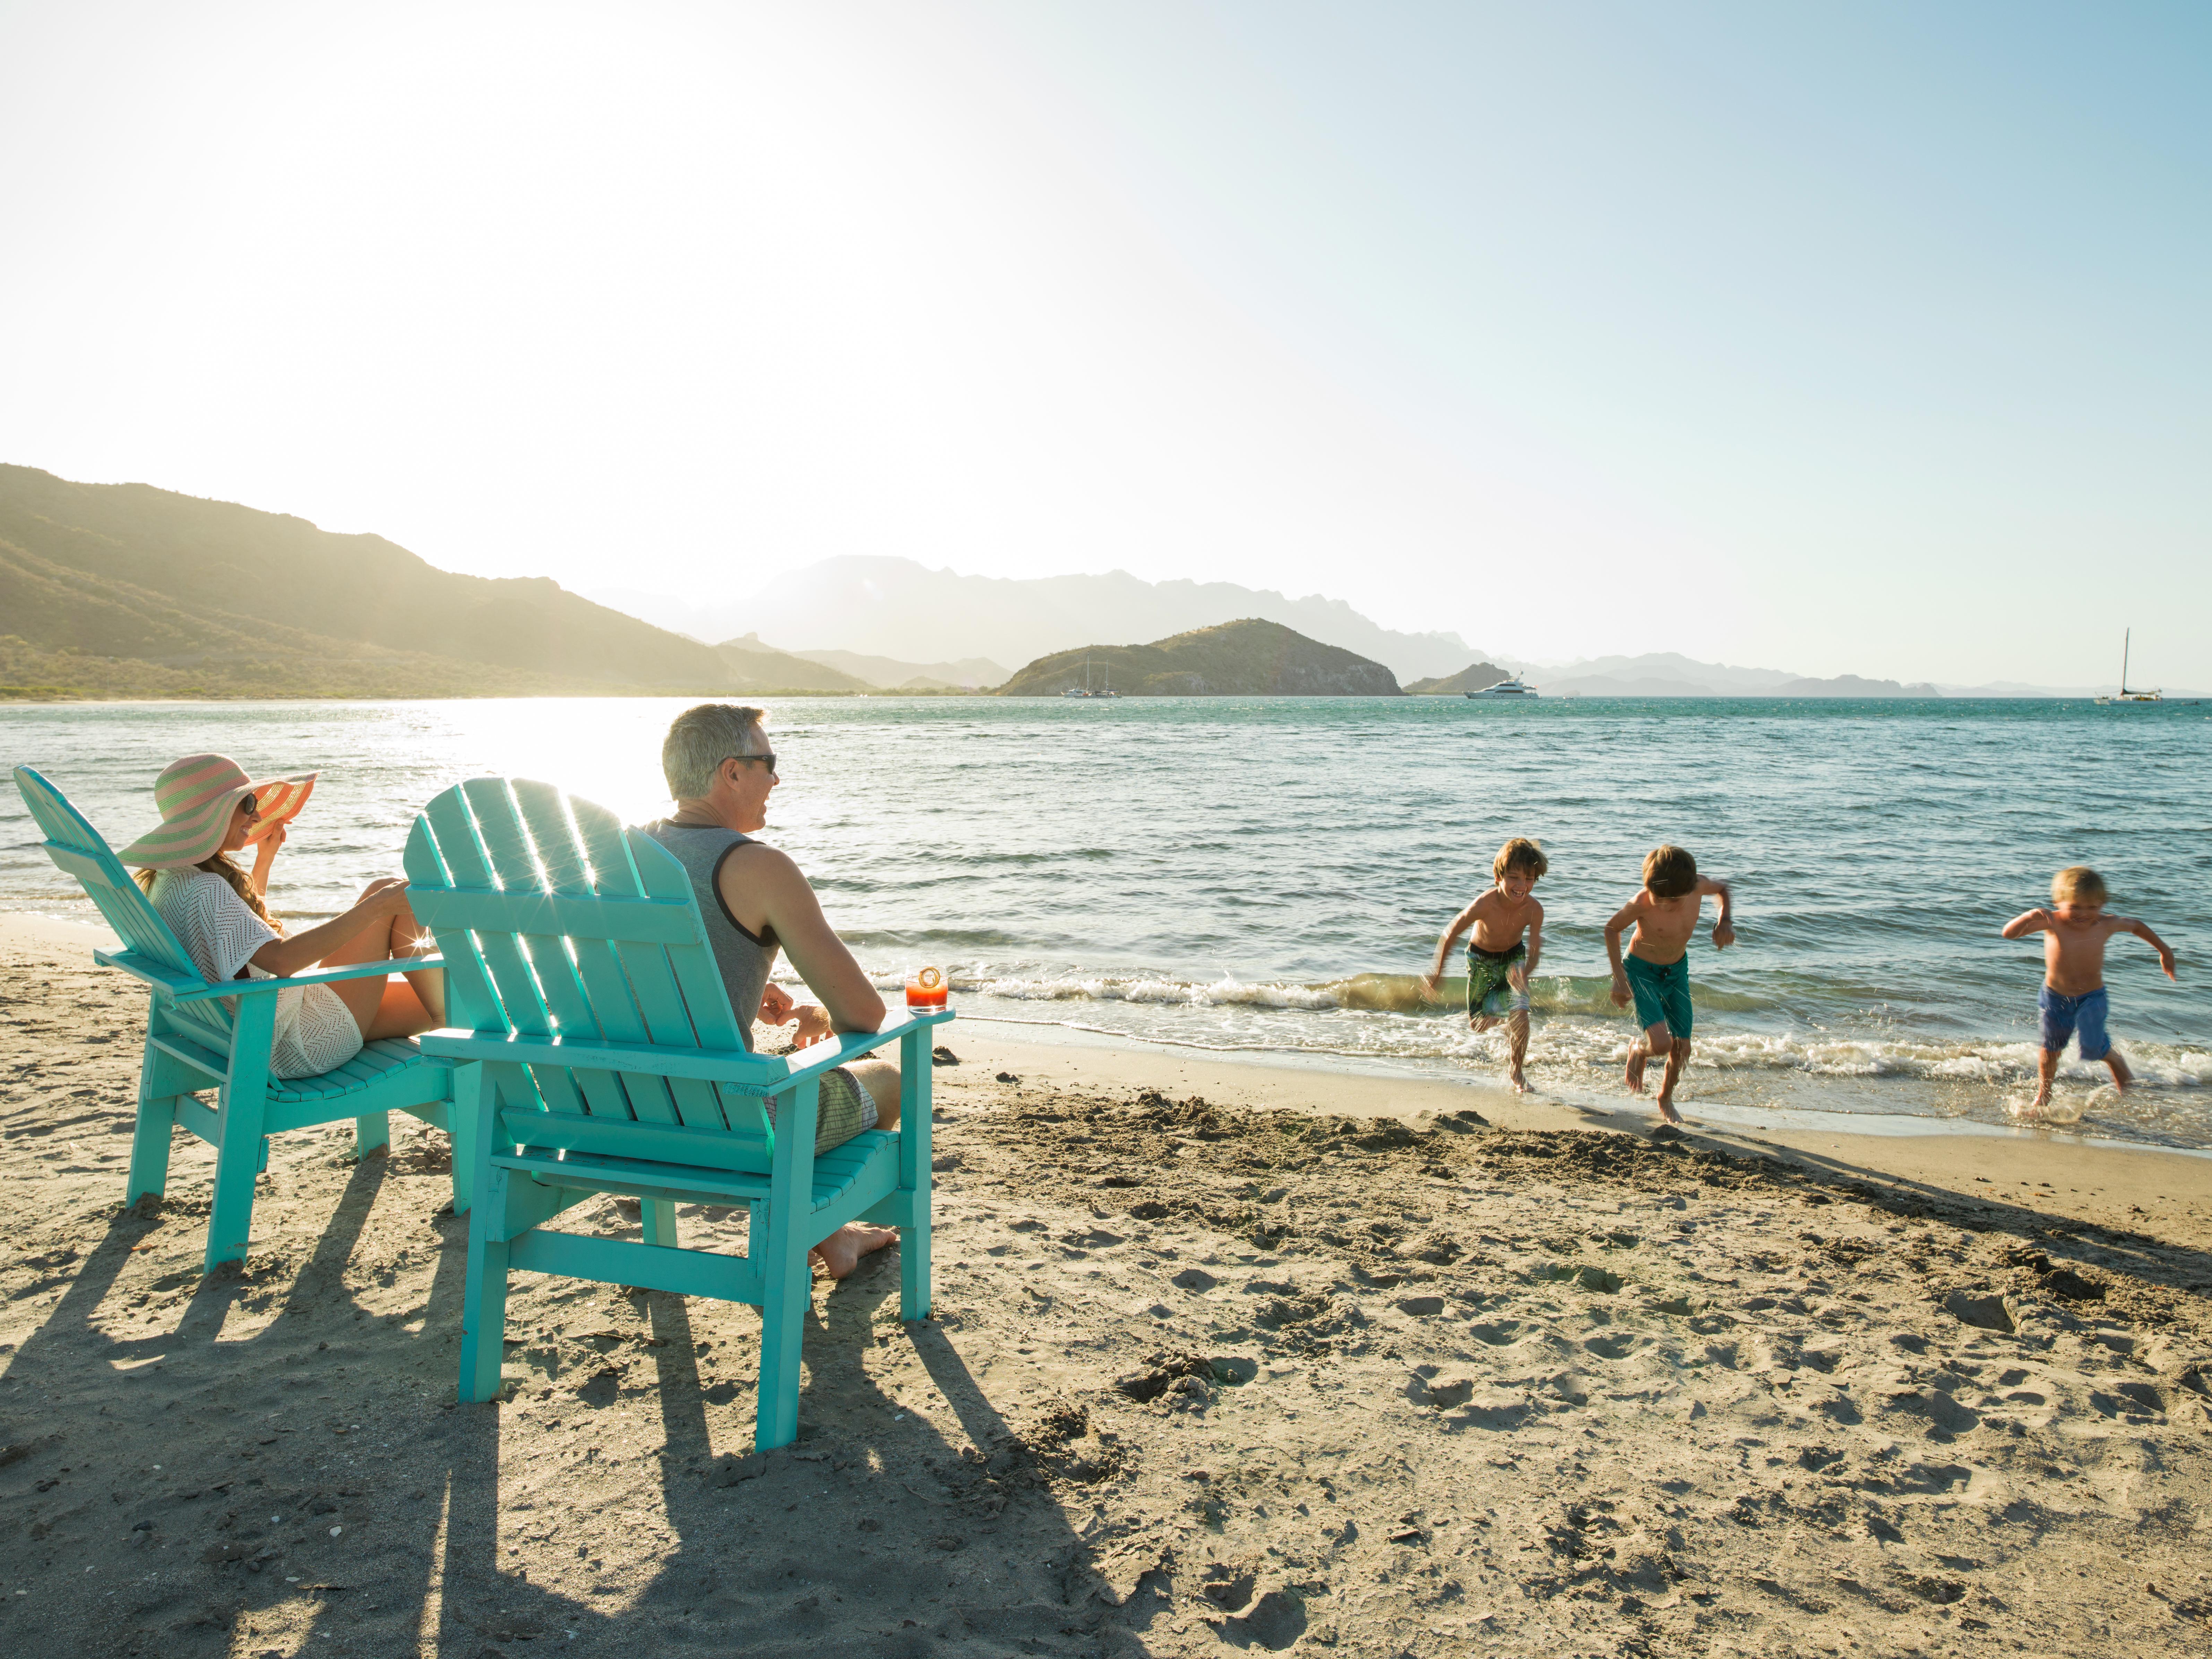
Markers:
point(1724, 925)
point(2141, 931)
point(2035, 922)
point(764, 881)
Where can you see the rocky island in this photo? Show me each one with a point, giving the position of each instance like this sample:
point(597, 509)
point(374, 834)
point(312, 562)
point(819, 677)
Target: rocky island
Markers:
point(1247, 658)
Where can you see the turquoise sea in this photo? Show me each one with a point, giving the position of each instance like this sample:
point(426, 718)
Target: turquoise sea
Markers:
point(1268, 876)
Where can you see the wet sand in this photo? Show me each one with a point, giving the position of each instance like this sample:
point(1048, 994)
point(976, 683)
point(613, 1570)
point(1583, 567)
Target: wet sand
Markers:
point(1223, 1356)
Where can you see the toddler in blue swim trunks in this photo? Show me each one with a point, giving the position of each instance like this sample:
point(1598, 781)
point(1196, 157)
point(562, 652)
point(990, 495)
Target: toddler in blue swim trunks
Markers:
point(2072, 1003)
point(1499, 959)
point(1657, 972)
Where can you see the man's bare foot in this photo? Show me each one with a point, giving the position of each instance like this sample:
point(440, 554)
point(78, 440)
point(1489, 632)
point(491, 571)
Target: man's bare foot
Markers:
point(842, 1251)
point(1635, 1076)
point(2042, 1099)
point(1667, 1112)
point(1520, 1079)
point(2122, 1077)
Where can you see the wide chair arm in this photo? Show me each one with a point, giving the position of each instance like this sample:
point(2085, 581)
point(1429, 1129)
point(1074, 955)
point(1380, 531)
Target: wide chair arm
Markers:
point(738, 1070)
point(186, 988)
point(833, 1052)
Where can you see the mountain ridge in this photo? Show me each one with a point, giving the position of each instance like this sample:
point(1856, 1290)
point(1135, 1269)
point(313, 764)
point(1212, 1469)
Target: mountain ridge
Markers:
point(124, 590)
point(895, 607)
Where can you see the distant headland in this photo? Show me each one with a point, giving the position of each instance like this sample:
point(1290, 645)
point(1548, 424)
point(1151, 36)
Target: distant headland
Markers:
point(1250, 657)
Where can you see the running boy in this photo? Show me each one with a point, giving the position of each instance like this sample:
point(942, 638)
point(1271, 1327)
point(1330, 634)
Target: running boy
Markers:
point(1499, 961)
point(1657, 971)
point(2073, 1000)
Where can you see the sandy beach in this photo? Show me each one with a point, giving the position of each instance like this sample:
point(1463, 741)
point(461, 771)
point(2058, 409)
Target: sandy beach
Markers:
point(1223, 1355)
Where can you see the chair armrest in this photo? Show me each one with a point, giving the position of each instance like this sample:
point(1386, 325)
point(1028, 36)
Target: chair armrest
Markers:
point(828, 1055)
point(733, 1066)
point(203, 991)
point(154, 973)
point(735, 1069)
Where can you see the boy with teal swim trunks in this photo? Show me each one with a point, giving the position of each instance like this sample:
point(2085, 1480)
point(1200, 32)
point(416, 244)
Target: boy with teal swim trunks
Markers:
point(1657, 970)
point(1499, 960)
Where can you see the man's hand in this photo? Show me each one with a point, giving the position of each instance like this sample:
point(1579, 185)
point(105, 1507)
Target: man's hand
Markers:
point(813, 1024)
point(776, 1005)
point(2165, 960)
point(1723, 935)
point(1429, 982)
point(1620, 992)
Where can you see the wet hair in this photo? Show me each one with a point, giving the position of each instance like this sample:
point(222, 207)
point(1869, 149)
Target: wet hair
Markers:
point(1669, 871)
point(1519, 854)
point(219, 863)
point(701, 738)
point(2077, 884)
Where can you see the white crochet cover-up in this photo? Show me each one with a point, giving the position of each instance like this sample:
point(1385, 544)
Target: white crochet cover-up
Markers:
point(315, 1032)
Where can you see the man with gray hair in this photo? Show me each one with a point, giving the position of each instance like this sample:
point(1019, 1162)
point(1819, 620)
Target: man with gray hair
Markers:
point(755, 902)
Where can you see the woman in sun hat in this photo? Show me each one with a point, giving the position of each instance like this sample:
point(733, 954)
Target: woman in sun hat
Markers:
point(210, 809)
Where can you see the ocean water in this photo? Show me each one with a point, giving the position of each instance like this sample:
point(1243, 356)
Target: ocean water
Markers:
point(1267, 877)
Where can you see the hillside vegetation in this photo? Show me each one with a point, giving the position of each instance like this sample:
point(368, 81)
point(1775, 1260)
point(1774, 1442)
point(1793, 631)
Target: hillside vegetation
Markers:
point(1248, 658)
point(125, 591)
point(1474, 677)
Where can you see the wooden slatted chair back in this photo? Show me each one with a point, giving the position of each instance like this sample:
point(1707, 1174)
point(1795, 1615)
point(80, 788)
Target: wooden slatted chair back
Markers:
point(74, 846)
point(556, 922)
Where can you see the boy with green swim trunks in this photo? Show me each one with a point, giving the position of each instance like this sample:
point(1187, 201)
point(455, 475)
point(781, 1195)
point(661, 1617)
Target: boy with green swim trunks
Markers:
point(1499, 961)
point(1657, 970)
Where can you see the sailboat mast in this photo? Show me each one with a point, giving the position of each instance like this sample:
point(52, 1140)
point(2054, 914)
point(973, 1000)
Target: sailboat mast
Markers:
point(2127, 640)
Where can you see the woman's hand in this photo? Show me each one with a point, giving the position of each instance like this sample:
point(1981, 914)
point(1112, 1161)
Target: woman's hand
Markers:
point(813, 1025)
point(264, 854)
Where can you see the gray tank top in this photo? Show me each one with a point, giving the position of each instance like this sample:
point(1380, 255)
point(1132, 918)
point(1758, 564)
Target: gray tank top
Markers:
point(744, 957)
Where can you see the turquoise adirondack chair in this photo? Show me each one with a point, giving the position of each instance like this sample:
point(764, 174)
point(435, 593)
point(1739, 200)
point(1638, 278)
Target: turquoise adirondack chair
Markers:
point(599, 1053)
point(193, 1044)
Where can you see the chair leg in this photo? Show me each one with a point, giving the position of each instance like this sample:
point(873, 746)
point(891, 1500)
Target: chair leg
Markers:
point(915, 1112)
point(370, 1131)
point(913, 1264)
point(789, 1291)
point(484, 1299)
point(149, 1148)
point(241, 1156)
point(462, 1132)
point(161, 1082)
point(660, 1222)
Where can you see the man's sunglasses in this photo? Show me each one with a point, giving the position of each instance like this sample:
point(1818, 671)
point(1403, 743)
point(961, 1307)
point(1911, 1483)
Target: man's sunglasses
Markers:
point(767, 760)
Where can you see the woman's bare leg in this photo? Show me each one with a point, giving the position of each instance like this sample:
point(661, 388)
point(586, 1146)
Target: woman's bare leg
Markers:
point(390, 1006)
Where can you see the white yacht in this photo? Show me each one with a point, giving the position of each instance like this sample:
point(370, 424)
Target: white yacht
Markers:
point(1086, 692)
point(1512, 688)
point(2126, 695)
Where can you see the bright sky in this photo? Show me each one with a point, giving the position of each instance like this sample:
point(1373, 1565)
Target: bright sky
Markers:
point(1851, 338)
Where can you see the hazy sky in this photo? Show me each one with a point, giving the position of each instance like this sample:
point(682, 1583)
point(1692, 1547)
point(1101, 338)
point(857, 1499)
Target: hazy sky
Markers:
point(1839, 338)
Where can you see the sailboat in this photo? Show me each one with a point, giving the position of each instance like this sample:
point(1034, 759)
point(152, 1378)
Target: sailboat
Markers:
point(2127, 640)
point(1086, 692)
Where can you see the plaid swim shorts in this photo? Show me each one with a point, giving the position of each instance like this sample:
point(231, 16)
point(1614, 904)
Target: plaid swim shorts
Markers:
point(846, 1109)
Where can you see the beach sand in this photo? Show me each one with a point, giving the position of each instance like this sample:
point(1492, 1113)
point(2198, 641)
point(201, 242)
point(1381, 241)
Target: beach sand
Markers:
point(1223, 1356)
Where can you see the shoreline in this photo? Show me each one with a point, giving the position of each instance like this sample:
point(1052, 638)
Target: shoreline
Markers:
point(1221, 1357)
point(1398, 1089)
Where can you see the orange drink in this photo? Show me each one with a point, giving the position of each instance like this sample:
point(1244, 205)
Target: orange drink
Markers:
point(925, 987)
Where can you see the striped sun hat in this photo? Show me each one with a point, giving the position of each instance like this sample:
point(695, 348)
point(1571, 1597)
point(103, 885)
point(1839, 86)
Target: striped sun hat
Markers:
point(196, 796)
